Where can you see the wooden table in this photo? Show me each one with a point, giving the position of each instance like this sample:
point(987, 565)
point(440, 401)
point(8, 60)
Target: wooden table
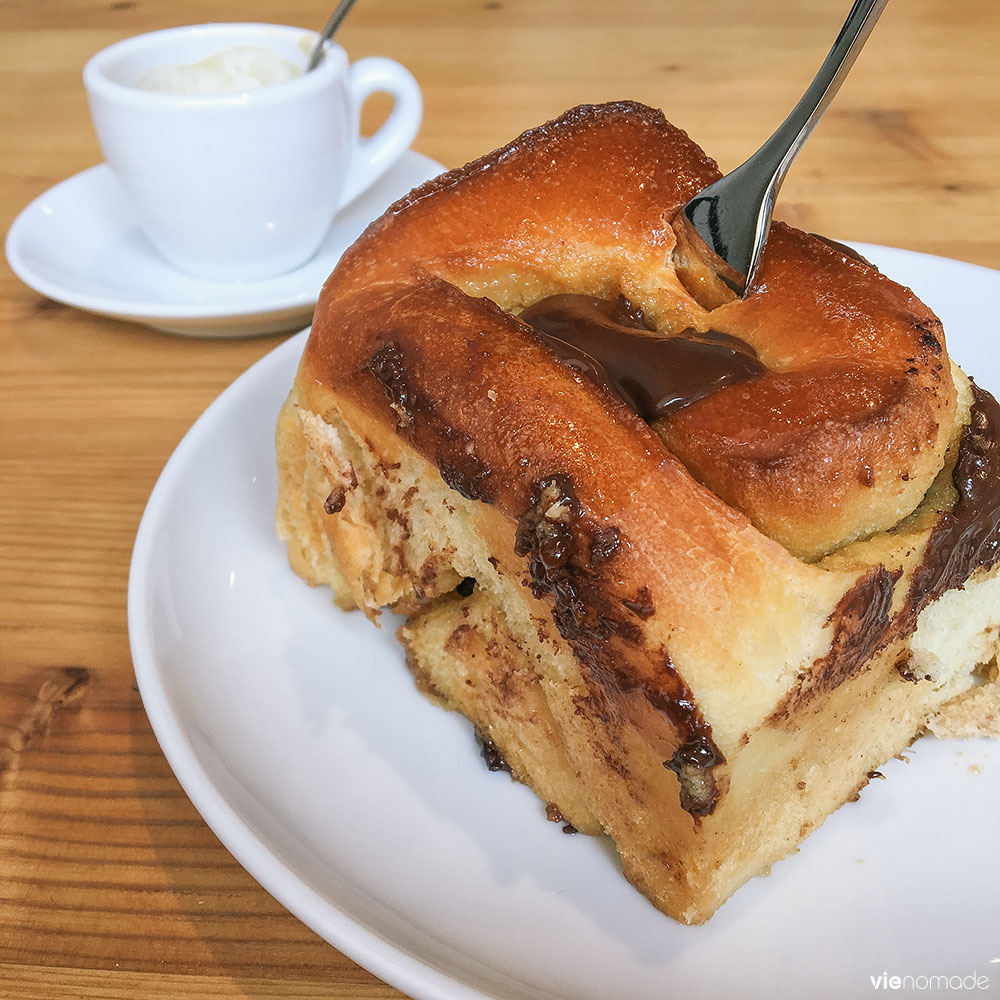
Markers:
point(110, 883)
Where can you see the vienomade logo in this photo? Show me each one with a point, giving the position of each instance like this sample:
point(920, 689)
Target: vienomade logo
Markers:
point(972, 981)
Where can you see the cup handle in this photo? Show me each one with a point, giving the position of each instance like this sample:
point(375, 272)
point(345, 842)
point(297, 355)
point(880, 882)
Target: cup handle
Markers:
point(374, 155)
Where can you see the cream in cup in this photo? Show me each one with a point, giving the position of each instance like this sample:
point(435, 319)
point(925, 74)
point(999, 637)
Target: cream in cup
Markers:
point(233, 176)
point(243, 67)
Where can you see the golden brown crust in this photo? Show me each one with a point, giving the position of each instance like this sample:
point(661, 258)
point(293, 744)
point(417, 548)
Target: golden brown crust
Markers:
point(844, 435)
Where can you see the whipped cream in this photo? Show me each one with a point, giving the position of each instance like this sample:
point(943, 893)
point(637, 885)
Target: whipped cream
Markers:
point(244, 67)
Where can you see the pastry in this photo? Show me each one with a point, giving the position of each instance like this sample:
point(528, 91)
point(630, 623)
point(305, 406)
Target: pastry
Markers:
point(693, 566)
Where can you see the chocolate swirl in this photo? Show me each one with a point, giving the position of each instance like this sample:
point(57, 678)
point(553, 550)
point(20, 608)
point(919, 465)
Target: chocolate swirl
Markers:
point(968, 536)
point(609, 343)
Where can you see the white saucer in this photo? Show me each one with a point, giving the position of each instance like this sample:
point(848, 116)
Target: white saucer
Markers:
point(79, 243)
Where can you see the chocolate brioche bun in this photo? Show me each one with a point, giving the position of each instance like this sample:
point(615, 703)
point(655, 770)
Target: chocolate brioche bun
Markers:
point(695, 623)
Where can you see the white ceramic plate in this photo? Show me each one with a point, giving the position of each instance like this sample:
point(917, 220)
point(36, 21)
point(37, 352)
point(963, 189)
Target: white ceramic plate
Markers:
point(79, 243)
point(298, 733)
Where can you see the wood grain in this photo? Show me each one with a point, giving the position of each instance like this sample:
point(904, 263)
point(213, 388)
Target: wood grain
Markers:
point(110, 883)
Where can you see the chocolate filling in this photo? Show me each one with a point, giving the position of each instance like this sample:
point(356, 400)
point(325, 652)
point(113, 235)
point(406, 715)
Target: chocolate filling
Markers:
point(553, 535)
point(861, 626)
point(491, 754)
point(334, 503)
point(967, 536)
point(453, 449)
point(609, 343)
point(697, 755)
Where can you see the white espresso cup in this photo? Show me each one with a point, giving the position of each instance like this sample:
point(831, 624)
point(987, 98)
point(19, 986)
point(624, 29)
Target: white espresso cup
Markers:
point(244, 184)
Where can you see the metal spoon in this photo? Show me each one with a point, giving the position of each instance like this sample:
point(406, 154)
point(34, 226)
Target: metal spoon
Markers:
point(319, 49)
point(732, 216)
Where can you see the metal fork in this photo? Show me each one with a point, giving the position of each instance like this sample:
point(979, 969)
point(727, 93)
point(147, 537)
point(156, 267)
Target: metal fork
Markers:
point(731, 217)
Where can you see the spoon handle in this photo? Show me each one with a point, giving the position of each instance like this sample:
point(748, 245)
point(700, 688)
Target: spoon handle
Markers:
point(343, 9)
point(733, 215)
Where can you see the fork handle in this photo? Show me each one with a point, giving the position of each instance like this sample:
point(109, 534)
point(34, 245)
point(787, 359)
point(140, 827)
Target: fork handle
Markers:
point(718, 213)
point(776, 155)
